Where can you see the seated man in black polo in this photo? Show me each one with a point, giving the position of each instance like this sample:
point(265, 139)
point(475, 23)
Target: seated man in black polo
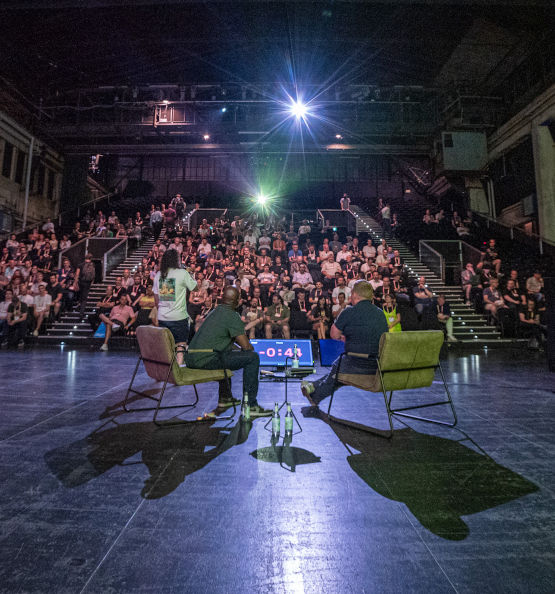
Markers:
point(211, 346)
point(361, 327)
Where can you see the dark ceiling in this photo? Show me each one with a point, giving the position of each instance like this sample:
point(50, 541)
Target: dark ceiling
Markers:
point(52, 51)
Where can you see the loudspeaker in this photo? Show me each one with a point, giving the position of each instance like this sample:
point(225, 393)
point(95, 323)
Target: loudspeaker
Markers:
point(549, 290)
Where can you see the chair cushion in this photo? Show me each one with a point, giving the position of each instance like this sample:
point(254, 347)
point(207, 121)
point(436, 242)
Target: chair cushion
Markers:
point(370, 383)
point(188, 376)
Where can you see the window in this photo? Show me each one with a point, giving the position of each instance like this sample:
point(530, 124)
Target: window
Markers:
point(7, 160)
point(19, 167)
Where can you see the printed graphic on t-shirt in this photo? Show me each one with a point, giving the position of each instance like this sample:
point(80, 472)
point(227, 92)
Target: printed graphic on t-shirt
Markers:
point(166, 289)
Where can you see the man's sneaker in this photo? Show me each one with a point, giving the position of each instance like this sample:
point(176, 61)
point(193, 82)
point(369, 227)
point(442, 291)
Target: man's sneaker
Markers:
point(21, 344)
point(104, 347)
point(227, 402)
point(258, 411)
point(36, 333)
point(116, 327)
point(452, 339)
point(307, 388)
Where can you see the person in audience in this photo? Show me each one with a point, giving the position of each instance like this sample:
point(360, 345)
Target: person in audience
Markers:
point(361, 327)
point(392, 316)
point(121, 319)
point(4, 306)
point(422, 296)
point(42, 305)
point(490, 257)
point(86, 275)
point(18, 312)
point(253, 318)
point(512, 296)
point(277, 318)
point(341, 304)
point(56, 293)
point(534, 286)
point(144, 305)
point(445, 317)
point(345, 202)
point(493, 301)
point(341, 287)
point(530, 322)
point(303, 279)
point(321, 317)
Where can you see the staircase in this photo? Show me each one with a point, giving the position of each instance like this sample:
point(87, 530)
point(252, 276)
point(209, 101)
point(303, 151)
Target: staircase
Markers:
point(470, 328)
point(69, 329)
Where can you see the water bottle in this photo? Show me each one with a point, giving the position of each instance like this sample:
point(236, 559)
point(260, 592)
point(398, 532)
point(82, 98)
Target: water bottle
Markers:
point(295, 363)
point(276, 421)
point(245, 409)
point(289, 421)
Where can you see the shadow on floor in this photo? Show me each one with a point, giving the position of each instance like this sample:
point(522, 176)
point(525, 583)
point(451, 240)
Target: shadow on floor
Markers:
point(169, 453)
point(438, 479)
point(286, 456)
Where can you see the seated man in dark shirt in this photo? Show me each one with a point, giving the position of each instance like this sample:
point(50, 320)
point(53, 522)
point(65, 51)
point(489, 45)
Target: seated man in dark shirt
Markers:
point(211, 346)
point(361, 327)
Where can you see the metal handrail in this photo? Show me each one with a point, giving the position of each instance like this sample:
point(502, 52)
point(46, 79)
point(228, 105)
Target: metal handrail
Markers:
point(105, 257)
point(61, 254)
point(512, 228)
point(431, 249)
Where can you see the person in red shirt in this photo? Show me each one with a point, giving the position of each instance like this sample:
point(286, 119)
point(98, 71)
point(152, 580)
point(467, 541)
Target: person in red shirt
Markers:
point(122, 317)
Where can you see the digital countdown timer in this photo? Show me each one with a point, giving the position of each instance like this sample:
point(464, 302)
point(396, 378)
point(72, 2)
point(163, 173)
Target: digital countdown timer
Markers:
point(275, 352)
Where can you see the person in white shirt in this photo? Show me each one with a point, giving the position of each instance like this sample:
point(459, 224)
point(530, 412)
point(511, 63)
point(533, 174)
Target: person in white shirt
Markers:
point(382, 247)
point(48, 227)
point(345, 202)
point(376, 280)
point(176, 245)
point(341, 288)
point(369, 250)
point(170, 288)
point(343, 253)
point(304, 229)
point(204, 249)
point(42, 304)
point(303, 278)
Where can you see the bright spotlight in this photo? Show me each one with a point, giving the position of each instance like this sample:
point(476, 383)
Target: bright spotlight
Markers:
point(224, 109)
point(298, 109)
point(206, 137)
point(261, 199)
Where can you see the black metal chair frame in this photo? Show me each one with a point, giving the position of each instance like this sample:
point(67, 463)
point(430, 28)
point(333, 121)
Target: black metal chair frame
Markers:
point(158, 401)
point(387, 399)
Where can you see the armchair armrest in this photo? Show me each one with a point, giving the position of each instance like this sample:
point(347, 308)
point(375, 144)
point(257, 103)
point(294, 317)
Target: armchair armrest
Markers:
point(359, 355)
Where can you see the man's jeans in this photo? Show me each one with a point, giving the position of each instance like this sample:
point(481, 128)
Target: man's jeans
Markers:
point(248, 361)
point(323, 387)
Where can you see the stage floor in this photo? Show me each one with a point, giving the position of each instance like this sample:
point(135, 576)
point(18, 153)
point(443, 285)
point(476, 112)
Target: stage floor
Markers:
point(92, 500)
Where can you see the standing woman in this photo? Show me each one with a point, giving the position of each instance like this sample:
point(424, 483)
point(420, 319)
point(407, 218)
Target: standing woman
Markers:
point(392, 316)
point(171, 284)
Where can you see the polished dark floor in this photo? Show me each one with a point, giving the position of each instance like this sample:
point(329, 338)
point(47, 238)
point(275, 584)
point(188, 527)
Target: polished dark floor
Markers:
point(92, 500)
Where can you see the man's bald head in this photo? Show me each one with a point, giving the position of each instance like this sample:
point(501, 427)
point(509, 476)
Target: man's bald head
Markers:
point(231, 297)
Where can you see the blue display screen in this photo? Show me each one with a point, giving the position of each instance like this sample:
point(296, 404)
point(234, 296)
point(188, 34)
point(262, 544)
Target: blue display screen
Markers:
point(274, 352)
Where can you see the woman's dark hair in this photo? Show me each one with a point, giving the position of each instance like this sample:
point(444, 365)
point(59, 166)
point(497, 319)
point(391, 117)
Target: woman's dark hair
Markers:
point(170, 260)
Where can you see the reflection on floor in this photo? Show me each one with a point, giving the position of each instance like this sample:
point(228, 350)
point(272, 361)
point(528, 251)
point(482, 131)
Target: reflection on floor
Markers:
point(94, 500)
